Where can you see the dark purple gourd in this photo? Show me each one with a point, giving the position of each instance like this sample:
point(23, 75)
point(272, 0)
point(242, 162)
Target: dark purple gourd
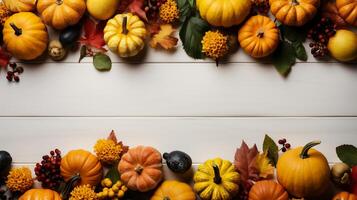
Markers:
point(178, 161)
point(5, 163)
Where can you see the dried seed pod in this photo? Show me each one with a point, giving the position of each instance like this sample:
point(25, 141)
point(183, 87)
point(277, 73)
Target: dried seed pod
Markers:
point(56, 50)
point(341, 173)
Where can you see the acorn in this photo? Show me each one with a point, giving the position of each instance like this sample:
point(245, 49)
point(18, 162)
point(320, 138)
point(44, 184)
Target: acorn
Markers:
point(178, 161)
point(56, 50)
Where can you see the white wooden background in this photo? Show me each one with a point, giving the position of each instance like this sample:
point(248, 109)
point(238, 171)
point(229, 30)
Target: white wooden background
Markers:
point(173, 102)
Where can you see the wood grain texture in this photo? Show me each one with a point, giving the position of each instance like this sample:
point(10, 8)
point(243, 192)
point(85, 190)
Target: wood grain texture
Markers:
point(27, 139)
point(247, 89)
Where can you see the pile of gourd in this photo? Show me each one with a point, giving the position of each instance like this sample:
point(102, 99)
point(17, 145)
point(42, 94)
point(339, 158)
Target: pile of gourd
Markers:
point(302, 172)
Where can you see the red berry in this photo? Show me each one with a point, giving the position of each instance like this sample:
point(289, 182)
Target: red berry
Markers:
point(287, 145)
point(283, 149)
point(16, 78)
point(281, 141)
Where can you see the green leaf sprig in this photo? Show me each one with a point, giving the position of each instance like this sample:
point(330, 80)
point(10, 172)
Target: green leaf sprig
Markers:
point(347, 154)
point(272, 149)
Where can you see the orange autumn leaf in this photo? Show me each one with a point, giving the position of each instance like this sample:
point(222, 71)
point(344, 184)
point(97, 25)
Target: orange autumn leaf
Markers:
point(164, 37)
point(266, 170)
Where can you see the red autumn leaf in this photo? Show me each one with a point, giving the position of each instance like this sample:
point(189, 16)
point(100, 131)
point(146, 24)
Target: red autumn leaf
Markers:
point(123, 6)
point(93, 34)
point(4, 58)
point(153, 28)
point(245, 164)
point(136, 7)
point(113, 137)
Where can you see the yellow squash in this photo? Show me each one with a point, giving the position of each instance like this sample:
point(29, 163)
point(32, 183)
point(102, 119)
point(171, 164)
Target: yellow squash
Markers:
point(303, 171)
point(259, 36)
point(40, 194)
point(25, 36)
point(348, 10)
point(125, 34)
point(20, 5)
point(174, 190)
point(294, 12)
point(225, 13)
point(61, 13)
point(216, 179)
point(102, 9)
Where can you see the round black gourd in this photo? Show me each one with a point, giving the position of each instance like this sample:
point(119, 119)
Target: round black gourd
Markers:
point(69, 36)
point(178, 161)
point(5, 163)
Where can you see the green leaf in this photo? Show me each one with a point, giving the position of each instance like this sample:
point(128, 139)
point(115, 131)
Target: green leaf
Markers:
point(284, 58)
point(347, 154)
point(113, 174)
point(83, 53)
point(272, 148)
point(191, 35)
point(186, 8)
point(300, 51)
point(102, 62)
point(293, 34)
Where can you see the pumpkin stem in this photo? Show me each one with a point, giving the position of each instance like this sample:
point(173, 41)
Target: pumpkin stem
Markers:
point(125, 28)
point(166, 198)
point(18, 31)
point(69, 186)
point(139, 169)
point(294, 2)
point(305, 150)
point(260, 33)
point(217, 176)
point(59, 2)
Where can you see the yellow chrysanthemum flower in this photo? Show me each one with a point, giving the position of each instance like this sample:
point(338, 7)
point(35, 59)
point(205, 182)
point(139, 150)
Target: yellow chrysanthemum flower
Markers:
point(169, 11)
point(214, 44)
point(108, 151)
point(19, 179)
point(83, 192)
point(5, 13)
point(266, 170)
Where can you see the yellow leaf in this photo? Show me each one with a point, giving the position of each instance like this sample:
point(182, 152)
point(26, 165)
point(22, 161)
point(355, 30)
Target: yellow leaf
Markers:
point(164, 38)
point(266, 170)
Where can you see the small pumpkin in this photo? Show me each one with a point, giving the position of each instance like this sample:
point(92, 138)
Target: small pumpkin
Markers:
point(20, 5)
point(40, 194)
point(294, 12)
point(295, 174)
point(348, 10)
point(225, 13)
point(268, 190)
point(125, 34)
point(259, 36)
point(178, 161)
point(174, 190)
point(82, 166)
point(60, 14)
point(216, 179)
point(141, 168)
point(329, 10)
point(345, 196)
point(25, 36)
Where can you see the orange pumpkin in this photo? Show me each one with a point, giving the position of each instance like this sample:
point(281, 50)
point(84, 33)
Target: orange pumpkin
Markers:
point(83, 166)
point(40, 194)
point(61, 13)
point(25, 36)
point(264, 190)
point(259, 36)
point(348, 10)
point(20, 5)
point(141, 168)
point(294, 12)
point(345, 196)
point(329, 10)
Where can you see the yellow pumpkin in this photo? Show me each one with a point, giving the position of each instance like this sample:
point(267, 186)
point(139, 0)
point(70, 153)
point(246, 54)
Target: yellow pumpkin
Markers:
point(216, 179)
point(25, 36)
point(225, 13)
point(348, 10)
point(345, 196)
point(82, 166)
point(294, 12)
point(60, 14)
point(40, 194)
point(174, 190)
point(264, 190)
point(303, 171)
point(20, 5)
point(125, 34)
point(259, 36)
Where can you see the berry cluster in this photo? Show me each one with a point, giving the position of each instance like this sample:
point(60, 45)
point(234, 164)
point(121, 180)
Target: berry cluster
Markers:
point(285, 145)
point(112, 191)
point(320, 34)
point(152, 8)
point(261, 7)
point(48, 171)
point(14, 72)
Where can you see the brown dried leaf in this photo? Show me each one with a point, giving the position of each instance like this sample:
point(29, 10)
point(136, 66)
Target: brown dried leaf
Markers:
point(164, 38)
point(113, 137)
